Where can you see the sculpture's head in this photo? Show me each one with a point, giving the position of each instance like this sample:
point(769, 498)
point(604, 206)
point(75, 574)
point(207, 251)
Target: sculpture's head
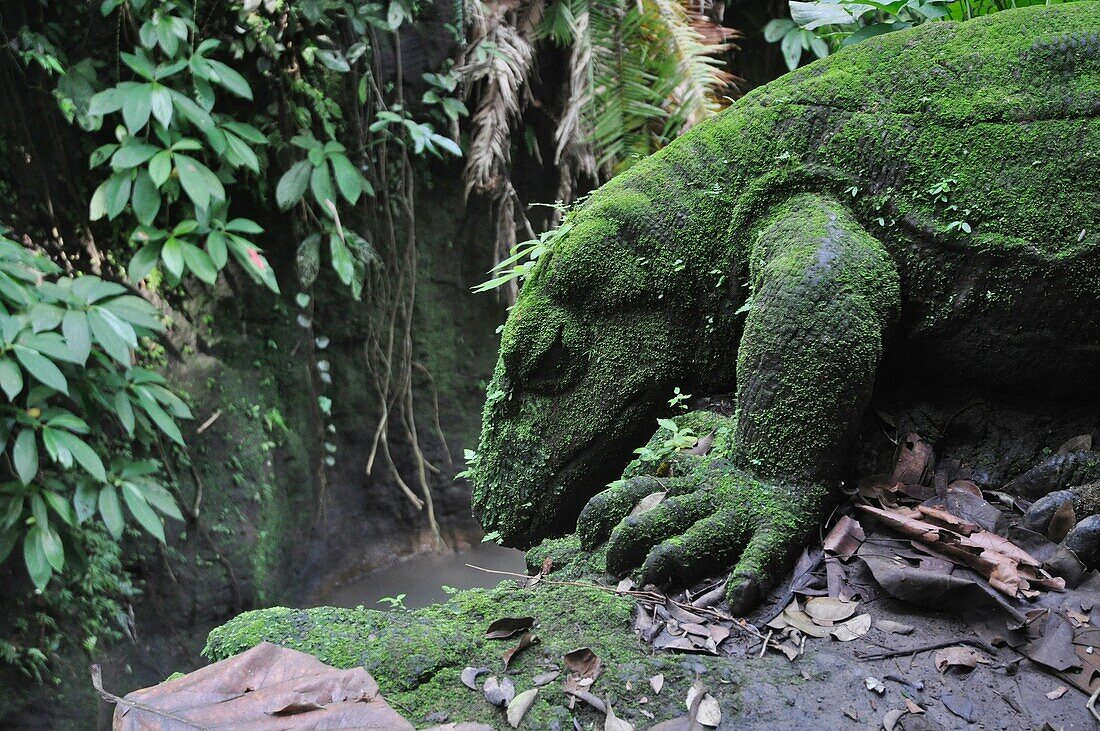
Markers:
point(609, 323)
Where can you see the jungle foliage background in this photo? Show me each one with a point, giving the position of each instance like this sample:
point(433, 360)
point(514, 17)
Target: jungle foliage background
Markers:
point(237, 246)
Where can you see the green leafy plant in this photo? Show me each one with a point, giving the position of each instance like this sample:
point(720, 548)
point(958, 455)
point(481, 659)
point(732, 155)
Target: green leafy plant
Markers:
point(72, 394)
point(678, 440)
point(823, 26)
point(173, 151)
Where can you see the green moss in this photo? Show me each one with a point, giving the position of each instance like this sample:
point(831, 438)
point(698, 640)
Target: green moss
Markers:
point(417, 656)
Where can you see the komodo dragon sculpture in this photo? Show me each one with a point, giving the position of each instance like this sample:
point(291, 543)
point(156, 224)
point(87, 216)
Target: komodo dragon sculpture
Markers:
point(929, 198)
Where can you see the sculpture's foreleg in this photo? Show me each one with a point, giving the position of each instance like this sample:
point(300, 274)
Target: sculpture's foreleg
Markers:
point(824, 293)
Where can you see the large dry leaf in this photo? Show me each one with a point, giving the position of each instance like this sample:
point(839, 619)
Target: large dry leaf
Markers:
point(519, 706)
point(824, 609)
point(525, 640)
point(959, 656)
point(914, 462)
point(469, 676)
point(844, 539)
point(1008, 568)
point(267, 687)
point(612, 722)
point(647, 503)
point(702, 706)
point(499, 692)
point(584, 663)
point(853, 629)
point(508, 626)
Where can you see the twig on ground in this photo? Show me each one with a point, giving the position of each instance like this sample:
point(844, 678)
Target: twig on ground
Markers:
point(980, 644)
point(97, 683)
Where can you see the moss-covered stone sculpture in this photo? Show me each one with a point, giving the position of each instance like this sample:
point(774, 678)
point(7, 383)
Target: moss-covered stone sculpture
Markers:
point(928, 197)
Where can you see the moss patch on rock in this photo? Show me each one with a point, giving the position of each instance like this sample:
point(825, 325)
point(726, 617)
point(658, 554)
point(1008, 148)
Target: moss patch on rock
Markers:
point(418, 656)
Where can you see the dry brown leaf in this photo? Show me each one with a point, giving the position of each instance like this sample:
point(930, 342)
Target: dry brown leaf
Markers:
point(792, 616)
point(469, 676)
point(1057, 693)
point(657, 682)
point(649, 502)
point(611, 722)
point(584, 663)
point(703, 706)
point(897, 628)
point(844, 539)
point(829, 609)
point(499, 692)
point(853, 629)
point(890, 720)
point(1061, 522)
point(959, 656)
point(914, 462)
point(545, 678)
point(508, 626)
point(525, 640)
point(266, 687)
point(913, 707)
point(519, 706)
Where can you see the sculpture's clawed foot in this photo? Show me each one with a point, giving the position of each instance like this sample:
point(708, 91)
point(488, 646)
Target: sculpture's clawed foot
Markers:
point(716, 519)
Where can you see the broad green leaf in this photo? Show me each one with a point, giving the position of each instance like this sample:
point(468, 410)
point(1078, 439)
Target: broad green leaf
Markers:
point(112, 334)
point(140, 63)
point(59, 506)
point(136, 107)
point(38, 509)
point(140, 509)
point(111, 511)
point(216, 248)
point(143, 262)
point(198, 181)
point(341, 259)
point(70, 421)
point(174, 403)
point(84, 455)
point(74, 326)
point(228, 78)
point(41, 368)
point(51, 345)
point(160, 417)
point(792, 49)
point(92, 289)
point(194, 114)
point(11, 378)
point(12, 512)
point(199, 263)
point(84, 501)
point(106, 101)
point(160, 167)
point(161, 105)
point(34, 556)
point(172, 256)
point(246, 132)
point(125, 411)
point(52, 547)
point(45, 316)
point(244, 226)
point(57, 452)
point(241, 154)
point(292, 186)
point(777, 28)
point(97, 206)
point(348, 179)
point(810, 15)
point(25, 456)
point(160, 498)
point(320, 182)
point(136, 311)
point(116, 194)
point(146, 199)
point(132, 154)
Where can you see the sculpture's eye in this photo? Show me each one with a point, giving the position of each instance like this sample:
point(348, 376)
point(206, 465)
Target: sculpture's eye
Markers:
point(547, 370)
